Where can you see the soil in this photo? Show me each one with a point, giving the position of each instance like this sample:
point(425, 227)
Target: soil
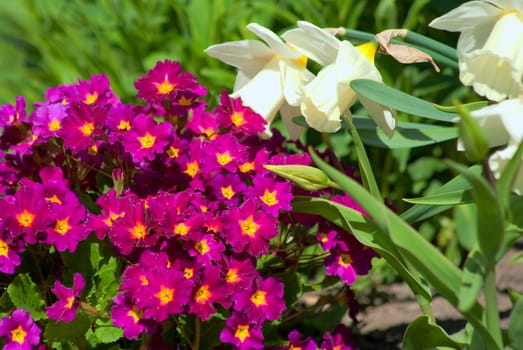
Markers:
point(382, 326)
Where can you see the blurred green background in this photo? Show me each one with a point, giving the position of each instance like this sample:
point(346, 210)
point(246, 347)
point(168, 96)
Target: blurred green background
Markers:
point(44, 43)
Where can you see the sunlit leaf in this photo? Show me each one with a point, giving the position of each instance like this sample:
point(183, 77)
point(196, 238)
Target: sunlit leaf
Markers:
point(472, 280)
point(398, 100)
point(422, 334)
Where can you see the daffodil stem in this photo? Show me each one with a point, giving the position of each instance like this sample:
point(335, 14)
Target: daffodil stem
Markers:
point(491, 305)
point(434, 45)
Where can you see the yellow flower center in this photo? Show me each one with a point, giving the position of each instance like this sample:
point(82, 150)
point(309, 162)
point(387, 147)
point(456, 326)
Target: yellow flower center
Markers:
point(181, 229)
point(224, 158)
point(237, 119)
point(124, 125)
point(87, 129)
point(188, 273)
point(143, 279)
point(54, 125)
point(184, 101)
point(53, 199)
point(227, 192)
point(269, 197)
point(242, 332)
point(138, 231)
point(4, 248)
point(345, 259)
point(173, 152)
point(18, 335)
point(147, 141)
point(202, 247)
point(202, 294)
point(258, 298)
point(62, 226)
point(232, 276)
point(25, 219)
point(249, 227)
point(165, 295)
point(91, 98)
point(70, 302)
point(135, 314)
point(165, 87)
point(368, 50)
point(246, 167)
point(192, 169)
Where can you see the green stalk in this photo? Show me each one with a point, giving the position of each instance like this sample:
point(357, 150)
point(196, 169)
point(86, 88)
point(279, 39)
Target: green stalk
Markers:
point(426, 42)
point(491, 306)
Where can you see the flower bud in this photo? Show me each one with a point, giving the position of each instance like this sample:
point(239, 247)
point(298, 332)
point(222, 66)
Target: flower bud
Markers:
point(307, 177)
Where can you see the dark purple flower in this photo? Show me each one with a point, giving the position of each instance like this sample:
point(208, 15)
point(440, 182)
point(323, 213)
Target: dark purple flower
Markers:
point(339, 339)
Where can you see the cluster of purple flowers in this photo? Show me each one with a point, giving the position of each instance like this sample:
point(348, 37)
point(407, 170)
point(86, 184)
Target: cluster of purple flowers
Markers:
point(190, 210)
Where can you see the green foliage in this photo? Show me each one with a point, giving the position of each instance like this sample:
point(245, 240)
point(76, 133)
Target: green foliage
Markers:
point(24, 294)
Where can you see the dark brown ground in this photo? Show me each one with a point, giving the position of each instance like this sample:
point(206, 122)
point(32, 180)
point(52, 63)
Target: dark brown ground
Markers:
point(382, 326)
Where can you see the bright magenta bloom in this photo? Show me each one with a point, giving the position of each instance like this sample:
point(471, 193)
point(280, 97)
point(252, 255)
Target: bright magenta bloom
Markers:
point(165, 81)
point(67, 305)
point(242, 332)
point(249, 229)
point(20, 331)
point(264, 300)
point(340, 339)
point(10, 115)
point(210, 290)
point(241, 119)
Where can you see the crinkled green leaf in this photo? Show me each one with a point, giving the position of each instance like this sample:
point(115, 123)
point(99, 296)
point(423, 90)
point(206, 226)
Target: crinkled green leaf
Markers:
point(406, 135)
point(73, 331)
point(106, 332)
point(25, 295)
point(398, 100)
point(421, 334)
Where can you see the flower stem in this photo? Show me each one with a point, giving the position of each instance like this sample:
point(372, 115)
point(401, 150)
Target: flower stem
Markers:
point(197, 328)
point(491, 301)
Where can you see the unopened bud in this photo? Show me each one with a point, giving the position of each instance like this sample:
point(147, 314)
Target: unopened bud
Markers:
point(306, 177)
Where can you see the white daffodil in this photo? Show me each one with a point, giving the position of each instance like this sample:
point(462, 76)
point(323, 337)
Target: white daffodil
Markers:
point(490, 46)
point(270, 76)
point(503, 124)
point(330, 95)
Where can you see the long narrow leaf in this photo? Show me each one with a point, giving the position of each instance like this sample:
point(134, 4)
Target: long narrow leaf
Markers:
point(390, 97)
point(448, 198)
point(506, 180)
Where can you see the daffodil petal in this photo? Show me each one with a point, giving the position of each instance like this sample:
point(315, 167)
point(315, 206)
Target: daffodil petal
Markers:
point(274, 42)
point(247, 55)
point(498, 161)
point(293, 80)
point(313, 42)
point(490, 119)
point(287, 113)
point(263, 94)
point(466, 17)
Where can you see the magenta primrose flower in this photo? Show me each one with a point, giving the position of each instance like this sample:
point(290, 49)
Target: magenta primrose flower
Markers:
point(10, 249)
point(68, 299)
point(339, 339)
point(242, 332)
point(20, 331)
point(231, 113)
point(10, 115)
point(47, 119)
point(263, 301)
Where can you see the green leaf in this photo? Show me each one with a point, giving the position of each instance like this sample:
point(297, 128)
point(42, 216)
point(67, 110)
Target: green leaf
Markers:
point(73, 331)
point(106, 332)
point(365, 231)
point(473, 136)
point(367, 174)
point(421, 334)
point(406, 135)
point(398, 100)
point(422, 212)
point(424, 257)
point(472, 106)
point(515, 325)
point(472, 280)
point(25, 295)
point(465, 217)
point(446, 198)
point(490, 214)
